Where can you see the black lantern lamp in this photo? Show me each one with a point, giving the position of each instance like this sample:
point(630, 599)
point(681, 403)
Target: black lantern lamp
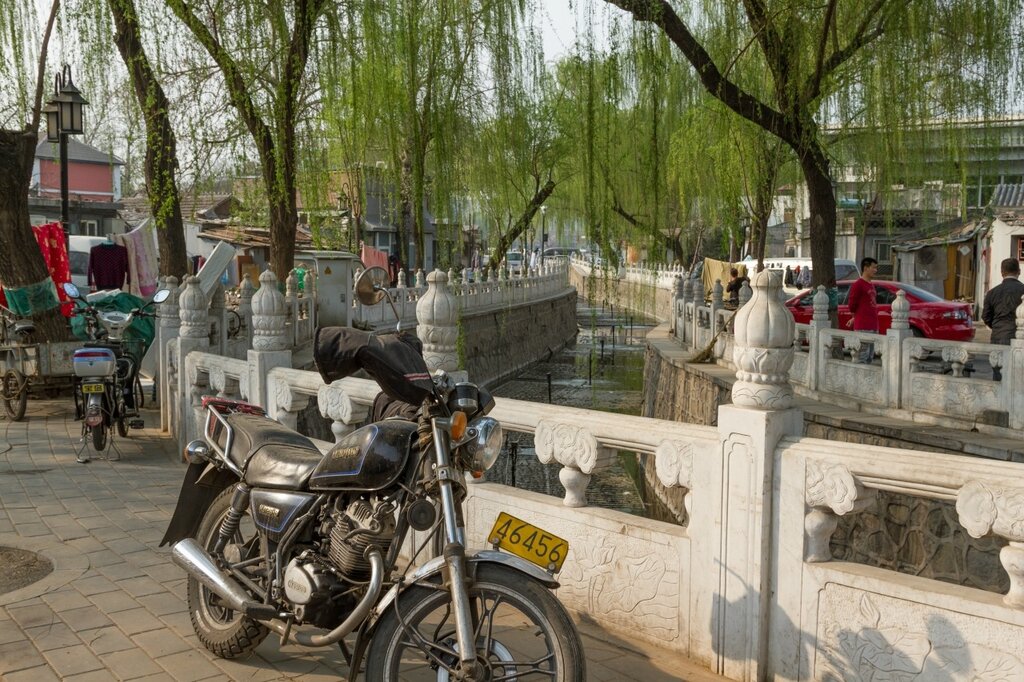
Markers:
point(63, 118)
point(70, 102)
point(52, 113)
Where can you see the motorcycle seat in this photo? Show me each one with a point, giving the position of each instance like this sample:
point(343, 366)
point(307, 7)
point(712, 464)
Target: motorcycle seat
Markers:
point(254, 432)
point(282, 466)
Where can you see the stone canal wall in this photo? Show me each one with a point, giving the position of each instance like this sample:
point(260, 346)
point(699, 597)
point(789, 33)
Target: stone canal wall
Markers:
point(603, 287)
point(900, 532)
point(498, 343)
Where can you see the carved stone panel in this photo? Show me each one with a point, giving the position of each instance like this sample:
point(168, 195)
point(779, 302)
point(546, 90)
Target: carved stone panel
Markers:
point(868, 636)
point(960, 397)
point(632, 582)
point(856, 381)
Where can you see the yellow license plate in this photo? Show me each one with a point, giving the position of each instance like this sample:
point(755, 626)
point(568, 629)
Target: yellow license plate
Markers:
point(92, 388)
point(529, 542)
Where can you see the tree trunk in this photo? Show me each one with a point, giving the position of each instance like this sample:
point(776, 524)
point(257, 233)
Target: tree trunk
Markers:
point(524, 222)
point(283, 227)
point(407, 219)
point(161, 146)
point(21, 263)
point(822, 224)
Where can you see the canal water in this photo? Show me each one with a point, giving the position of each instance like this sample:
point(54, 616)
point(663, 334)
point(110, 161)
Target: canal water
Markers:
point(603, 371)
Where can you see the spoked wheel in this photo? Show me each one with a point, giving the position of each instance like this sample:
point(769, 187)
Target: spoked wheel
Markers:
point(226, 633)
point(522, 633)
point(14, 394)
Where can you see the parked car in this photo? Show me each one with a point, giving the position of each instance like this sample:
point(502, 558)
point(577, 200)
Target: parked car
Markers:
point(516, 263)
point(931, 316)
point(554, 251)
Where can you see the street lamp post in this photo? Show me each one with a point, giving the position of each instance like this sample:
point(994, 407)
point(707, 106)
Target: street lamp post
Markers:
point(63, 118)
point(543, 231)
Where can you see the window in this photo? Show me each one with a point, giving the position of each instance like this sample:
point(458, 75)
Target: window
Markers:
point(383, 240)
point(883, 296)
point(1018, 248)
point(89, 227)
point(883, 252)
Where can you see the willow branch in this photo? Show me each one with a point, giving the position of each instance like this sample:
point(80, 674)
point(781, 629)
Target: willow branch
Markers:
point(661, 14)
point(830, 13)
point(37, 104)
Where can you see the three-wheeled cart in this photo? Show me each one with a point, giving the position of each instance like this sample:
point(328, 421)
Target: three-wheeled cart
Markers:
point(39, 368)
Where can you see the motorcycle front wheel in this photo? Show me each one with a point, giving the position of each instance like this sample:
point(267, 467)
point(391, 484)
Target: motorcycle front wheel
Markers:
point(226, 633)
point(522, 633)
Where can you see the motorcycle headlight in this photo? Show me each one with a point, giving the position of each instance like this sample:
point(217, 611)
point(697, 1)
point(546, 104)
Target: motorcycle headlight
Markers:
point(482, 443)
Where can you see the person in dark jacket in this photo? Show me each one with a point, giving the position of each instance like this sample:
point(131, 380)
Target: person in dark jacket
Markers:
point(1000, 309)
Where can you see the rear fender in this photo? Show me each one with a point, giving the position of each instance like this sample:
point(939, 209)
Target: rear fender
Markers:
point(434, 567)
point(203, 483)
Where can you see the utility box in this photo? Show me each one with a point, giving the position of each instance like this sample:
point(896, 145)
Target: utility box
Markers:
point(334, 284)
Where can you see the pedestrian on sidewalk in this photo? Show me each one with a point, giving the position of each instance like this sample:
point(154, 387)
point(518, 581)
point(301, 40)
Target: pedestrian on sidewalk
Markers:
point(999, 311)
point(863, 304)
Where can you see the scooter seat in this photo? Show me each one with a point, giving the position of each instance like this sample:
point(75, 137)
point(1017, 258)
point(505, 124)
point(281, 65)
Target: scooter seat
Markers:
point(24, 327)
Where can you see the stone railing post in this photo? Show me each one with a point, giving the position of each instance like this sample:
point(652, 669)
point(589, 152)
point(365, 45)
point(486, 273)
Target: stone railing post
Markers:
point(246, 291)
point(345, 414)
point(717, 303)
point(731, 521)
point(678, 301)
point(816, 351)
point(1013, 373)
point(437, 317)
point(270, 338)
point(745, 293)
point(167, 331)
point(989, 508)
point(689, 320)
point(421, 280)
point(193, 335)
point(892, 357)
point(291, 297)
point(579, 453)
point(401, 279)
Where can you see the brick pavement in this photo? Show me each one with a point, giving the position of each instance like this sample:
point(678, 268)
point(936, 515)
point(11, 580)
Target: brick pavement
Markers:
point(113, 609)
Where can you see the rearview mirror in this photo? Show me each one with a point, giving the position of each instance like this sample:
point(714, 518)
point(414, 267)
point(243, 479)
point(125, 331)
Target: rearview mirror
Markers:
point(161, 296)
point(71, 290)
point(371, 285)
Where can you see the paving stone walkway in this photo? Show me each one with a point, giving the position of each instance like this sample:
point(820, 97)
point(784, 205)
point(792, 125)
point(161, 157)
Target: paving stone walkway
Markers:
point(113, 609)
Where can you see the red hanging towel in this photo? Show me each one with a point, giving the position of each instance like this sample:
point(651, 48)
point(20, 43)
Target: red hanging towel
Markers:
point(53, 247)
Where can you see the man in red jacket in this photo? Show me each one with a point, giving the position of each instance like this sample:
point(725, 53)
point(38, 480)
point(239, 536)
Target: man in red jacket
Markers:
point(863, 304)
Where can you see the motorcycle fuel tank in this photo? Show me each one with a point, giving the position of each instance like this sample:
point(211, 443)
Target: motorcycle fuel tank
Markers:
point(369, 458)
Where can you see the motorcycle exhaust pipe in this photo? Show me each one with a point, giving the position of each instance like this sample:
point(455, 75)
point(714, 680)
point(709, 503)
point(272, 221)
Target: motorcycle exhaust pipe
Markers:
point(198, 563)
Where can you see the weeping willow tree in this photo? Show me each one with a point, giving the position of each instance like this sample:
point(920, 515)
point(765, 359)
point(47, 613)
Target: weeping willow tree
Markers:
point(261, 50)
point(29, 288)
point(880, 64)
point(415, 74)
point(161, 158)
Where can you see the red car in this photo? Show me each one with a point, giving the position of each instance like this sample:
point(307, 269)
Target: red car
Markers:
point(930, 316)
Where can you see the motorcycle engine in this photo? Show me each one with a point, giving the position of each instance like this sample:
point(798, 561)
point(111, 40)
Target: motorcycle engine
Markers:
point(362, 524)
point(308, 586)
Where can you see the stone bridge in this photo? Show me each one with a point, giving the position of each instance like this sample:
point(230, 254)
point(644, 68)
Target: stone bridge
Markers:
point(750, 587)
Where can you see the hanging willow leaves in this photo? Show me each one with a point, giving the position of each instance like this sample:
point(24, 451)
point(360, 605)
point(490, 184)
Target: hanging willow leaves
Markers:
point(881, 65)
point(261, 50)
point(161, 165)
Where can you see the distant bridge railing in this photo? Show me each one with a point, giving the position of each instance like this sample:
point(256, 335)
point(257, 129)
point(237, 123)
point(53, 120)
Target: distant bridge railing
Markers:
point(748, 586)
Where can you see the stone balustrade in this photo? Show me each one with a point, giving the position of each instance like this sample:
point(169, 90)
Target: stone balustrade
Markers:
point(749, 586)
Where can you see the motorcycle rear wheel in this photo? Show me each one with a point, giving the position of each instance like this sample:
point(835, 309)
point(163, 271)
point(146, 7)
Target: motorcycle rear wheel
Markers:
point(226, 633)
point(99, 437)
point(532, 628)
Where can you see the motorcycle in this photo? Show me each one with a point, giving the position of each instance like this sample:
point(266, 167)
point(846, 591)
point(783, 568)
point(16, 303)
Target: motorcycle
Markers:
point(107, 390)
point(276, 537)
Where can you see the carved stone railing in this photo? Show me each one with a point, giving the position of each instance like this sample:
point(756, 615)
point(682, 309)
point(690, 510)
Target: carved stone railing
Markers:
point(910, 377)
point(748, 588)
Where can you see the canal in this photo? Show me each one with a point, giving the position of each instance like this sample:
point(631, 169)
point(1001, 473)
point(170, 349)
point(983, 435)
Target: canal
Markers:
point(603, 371)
